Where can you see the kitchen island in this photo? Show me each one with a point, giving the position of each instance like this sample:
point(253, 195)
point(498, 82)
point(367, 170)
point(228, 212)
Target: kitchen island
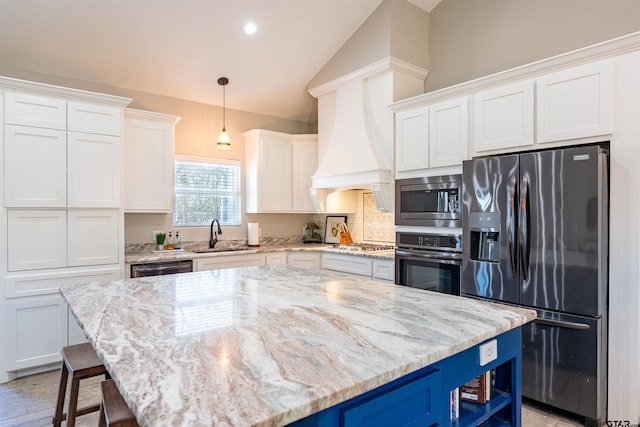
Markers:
point(267, 346)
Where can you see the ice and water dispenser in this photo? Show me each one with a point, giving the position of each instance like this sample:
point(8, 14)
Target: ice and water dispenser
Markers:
point(484, 228)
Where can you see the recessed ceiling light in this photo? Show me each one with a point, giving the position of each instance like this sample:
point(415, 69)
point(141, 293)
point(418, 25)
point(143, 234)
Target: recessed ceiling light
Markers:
point(249, 27)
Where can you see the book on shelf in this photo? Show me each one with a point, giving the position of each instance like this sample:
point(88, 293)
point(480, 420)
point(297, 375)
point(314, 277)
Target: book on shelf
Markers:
point(454, 404)
point(478, 390)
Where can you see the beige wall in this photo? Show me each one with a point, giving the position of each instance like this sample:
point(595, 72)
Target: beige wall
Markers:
point(396, 28)
point(474, 38)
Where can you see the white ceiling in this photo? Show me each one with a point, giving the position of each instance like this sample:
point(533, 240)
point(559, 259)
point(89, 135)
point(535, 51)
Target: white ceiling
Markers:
point(179, 48)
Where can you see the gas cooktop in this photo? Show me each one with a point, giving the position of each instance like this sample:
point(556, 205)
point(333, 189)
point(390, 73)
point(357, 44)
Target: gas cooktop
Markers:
point(364, 247)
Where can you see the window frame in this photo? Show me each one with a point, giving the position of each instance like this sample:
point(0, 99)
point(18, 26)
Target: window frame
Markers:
point(212, 161)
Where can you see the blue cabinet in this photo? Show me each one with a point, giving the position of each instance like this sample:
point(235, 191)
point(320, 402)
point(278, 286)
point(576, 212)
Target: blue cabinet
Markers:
point(422, 398)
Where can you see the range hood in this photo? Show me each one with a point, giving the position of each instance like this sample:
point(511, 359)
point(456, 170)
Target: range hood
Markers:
point(356, 129)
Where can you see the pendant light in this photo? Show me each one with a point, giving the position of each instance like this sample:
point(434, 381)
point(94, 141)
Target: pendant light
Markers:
point(224, 142)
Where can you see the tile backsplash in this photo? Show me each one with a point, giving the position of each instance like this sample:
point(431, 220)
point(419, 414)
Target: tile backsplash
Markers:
point(368, 224)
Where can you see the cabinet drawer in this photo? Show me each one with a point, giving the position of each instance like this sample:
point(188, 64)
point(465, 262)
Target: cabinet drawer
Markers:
point(37, 111)
point(49, 281)
point(308, 260)
point(92, 118)
point(229, 261)
point(358, 265)
point(413, 403)
point(36, 239)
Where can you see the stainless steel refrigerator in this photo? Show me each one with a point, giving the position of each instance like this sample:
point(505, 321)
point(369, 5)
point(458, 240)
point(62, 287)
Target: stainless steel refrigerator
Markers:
point(535, 234)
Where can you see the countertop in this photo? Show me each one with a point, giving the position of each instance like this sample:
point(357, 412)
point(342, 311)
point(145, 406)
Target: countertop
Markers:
point(265, 346)
point(143, 255)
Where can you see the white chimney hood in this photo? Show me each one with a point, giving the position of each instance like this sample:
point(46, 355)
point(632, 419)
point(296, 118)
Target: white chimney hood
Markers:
point(356, 129)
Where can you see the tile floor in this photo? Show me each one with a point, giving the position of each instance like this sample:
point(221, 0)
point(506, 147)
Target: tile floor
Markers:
point(30, 401)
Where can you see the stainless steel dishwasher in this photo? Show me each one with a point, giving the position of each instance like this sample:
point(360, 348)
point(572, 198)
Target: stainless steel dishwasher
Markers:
point(161, 268)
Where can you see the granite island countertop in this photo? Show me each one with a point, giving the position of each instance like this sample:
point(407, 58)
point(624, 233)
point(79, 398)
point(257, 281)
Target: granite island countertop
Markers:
point(265, 346)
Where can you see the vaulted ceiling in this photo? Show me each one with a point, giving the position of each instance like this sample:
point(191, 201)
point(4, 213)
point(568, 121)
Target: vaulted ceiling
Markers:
point(179, 48)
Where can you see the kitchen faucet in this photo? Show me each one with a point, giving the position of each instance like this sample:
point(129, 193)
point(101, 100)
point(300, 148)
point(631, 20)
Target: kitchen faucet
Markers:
point(213, 235)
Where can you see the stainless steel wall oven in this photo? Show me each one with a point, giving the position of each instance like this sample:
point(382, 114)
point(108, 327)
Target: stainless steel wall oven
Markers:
point(428, 261)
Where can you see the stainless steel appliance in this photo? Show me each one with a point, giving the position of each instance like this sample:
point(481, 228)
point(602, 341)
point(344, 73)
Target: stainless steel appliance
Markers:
point(430, 201)
point(428, 261)
point(535, 234)
point(161, 268)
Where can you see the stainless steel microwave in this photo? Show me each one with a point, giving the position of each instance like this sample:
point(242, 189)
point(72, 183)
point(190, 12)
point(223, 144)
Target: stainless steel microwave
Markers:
point(430, 201)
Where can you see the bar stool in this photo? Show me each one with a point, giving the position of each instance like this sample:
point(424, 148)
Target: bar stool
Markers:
point(82, 362)
point(115, 412)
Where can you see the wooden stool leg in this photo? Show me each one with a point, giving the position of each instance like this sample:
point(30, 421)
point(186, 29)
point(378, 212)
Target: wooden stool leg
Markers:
point(58, 417)
point(73, 401)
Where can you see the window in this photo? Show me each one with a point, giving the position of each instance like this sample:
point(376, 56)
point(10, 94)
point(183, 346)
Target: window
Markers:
point(207, 189)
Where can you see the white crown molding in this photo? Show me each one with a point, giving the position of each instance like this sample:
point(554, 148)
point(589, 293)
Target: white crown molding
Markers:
point(384, 65)
point(9, 83)
point(599, 51)
point(131, 113)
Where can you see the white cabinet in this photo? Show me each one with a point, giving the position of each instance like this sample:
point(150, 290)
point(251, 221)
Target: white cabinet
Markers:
point(270, 166)
point(352, 264)
point(449, 133)
point(94, 118)
point(36, 111)
point(384, 269)
point(35, 161)
point(149, 149)
point(431, 136)
point(275, 258)
point(575, 103)
point(92, 237)
point(503, 117)
point(305, 163)
point(412, 139)
point(62, 215)
point(228, 261)
point(93, 172)
point(304, 259)
point(47, 238)
point(35, 331)
point(36, 239)
point(375, 268)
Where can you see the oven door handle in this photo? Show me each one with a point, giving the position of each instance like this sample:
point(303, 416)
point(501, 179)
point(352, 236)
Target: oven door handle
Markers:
point(434, 256)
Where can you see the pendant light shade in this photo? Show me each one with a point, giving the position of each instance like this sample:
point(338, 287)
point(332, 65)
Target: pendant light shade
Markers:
point(223, 142)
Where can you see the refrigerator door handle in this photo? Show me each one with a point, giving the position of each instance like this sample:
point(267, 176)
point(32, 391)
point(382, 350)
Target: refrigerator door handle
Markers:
point(563, 324)
point(525, 230)
point(511, 232)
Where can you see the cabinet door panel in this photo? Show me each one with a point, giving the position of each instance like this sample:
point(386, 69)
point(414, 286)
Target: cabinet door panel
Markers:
point(575, 103)
point(412, 139)
point(33, 110)
point(503, 117)
point(34, 167)
point(93, 118)
point(93, 170)
point(449, 133)
point(93, 237)
point(36, 239)
point(148, 159)
point(276, 165)
point(305, 164)
point(229, 261)
point(36, 331)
